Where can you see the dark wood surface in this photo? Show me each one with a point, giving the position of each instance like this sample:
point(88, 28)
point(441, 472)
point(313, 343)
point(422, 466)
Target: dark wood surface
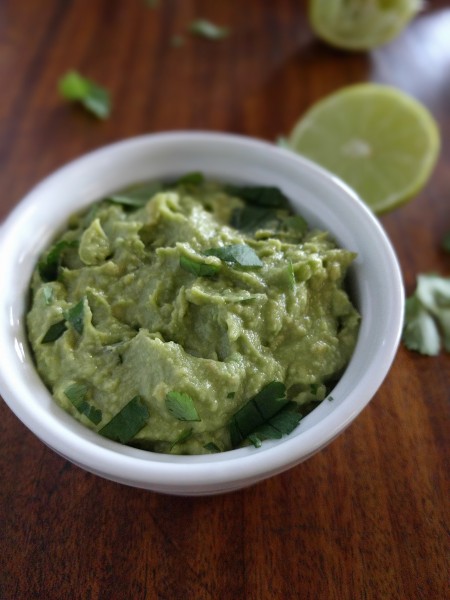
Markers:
point(366, 518)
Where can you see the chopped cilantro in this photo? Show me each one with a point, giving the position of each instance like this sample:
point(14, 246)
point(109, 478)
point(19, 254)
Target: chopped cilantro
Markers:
point(200, 269)
point(183, 437)
point(137, 196)
point(75, 316)
point(263, 416)
point(49, 266)
point(330, 398)
point(297, 223)
point(240, 254)
point(231, 395)
point(127, 422)
point(47, 292)
point(181, 406)
point(212, 447)
point(194, 178)
point(249, 218)
point(207, 29)
point(54, 332)
point(77, 394)
point(427, 316)
point(267, 196)
point(95, 99)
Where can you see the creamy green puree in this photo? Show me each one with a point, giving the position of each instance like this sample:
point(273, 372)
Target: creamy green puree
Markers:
point(191, 317)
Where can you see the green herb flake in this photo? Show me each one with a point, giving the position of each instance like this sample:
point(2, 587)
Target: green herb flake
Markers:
point(212, 448)
point(77, 394)
point(54, 332)
point(231, 395)
point(200, 269)
point(181, 406)
point(127, 422)
point(263, 416)
point(264, 196)
point(193, 178)
point(95, 99)
point(47, 292)
point(239, 254)
point(296, 223)
point(49, 266)
point(208, 30)
point(183, 437)
point(249, 218)
point(75, 316)
point(137, 196)
point(330, 398)
point(446, 242)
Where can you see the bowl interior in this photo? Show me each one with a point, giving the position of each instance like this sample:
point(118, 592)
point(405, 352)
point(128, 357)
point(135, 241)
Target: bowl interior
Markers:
point(322, 199)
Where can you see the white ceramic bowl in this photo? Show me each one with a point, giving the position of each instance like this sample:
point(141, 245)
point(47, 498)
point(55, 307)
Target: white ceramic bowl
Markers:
point(319, 196)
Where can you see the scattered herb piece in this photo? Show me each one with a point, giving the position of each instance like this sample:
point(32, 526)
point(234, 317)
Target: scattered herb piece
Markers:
point(208, 30)
point(181, 406)
point(54, 332)
point(290, 275)
point(297, 223)
point(77, 394)
point(283, 423)
point(231, 395)
point(249, 218)
point(127, 422)
point(75, 316)
point(49, 266)
point(183, 437)
point(330, 398)
point(212, 447)
point(47, 292)
point(194, 178)
point(95, 99)
point(427, 316)
point(136, 197)
point(258, 412)
point(446, 242)
point(314, 388)
point(198, 268)
point(267, 196)
point(240, 254)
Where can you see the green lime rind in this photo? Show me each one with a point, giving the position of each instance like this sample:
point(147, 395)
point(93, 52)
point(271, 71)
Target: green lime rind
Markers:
point(361, 24)
point(380, 141)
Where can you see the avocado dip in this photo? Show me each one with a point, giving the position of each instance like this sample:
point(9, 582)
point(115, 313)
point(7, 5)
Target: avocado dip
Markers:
point(191, 317)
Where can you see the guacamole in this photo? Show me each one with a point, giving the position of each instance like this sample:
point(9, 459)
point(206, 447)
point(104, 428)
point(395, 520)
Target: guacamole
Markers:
point(191, 317)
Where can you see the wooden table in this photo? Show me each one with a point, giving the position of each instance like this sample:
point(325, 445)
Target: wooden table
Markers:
point(366, 518)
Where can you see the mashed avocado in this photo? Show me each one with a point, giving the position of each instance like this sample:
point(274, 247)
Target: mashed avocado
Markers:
point(191, 317)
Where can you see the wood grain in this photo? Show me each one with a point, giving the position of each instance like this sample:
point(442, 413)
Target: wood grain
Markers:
point(366, 518)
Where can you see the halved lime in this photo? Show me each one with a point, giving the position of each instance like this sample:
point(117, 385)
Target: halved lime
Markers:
point(360, 24)
point(380, 141)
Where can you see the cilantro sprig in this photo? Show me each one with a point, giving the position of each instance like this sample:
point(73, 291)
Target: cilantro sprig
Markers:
point(48, 266)
point(239, 254)
point(74, 317)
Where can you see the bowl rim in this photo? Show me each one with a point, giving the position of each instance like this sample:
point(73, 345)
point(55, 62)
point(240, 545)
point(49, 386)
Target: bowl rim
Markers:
point(146, 469)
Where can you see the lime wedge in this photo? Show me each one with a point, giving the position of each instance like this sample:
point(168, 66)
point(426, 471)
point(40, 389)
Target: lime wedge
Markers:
point(360, 24)
point(380, 141)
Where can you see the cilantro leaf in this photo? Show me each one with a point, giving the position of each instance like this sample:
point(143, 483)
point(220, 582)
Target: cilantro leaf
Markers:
point(181, 406)
point(427, 316)
point(212, 447)
point(208, 30)
point(49, 266)
point(193, 178)
point(249, 218)
point(137, 196)
point(54, 332)
point(200, 269)
point(296, 223)
point(77, 394)
point(183, 437)
point(263, 196)
point(262, 417)
point(95, 99)
point(75, 316)
point(127, 422)
point(240, 254)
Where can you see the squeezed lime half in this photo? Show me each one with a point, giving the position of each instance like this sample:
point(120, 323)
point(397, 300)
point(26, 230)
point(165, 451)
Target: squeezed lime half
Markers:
point(361, 24)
